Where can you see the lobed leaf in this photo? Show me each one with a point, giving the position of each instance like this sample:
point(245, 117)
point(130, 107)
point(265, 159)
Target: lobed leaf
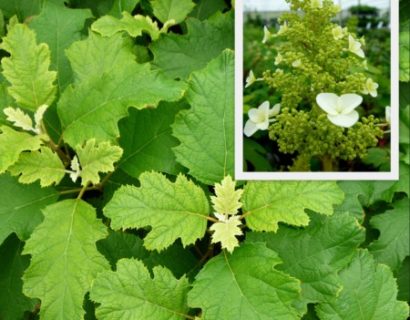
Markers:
point(176, 10)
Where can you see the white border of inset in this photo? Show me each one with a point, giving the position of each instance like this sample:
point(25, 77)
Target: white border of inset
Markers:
point(239, 138)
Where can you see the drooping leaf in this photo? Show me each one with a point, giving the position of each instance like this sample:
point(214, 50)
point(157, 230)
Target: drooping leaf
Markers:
point(369, 293)
point(315, 254)
point(146, 137)
point(265, 204)
point(96, 158)
point(167, 10)
point(393, 244)
point(206, 130)
point(179, 55)
point(64, 258)
point(12, 301)
point(20, 206)
point(43, 165)
point(27, 68)
point(13, 143)
point(245, 285)
point(99, 55)
point(107, 26)
point(59, 27)
point(226, 231)
point(173, 210)
point(131, 293)
point(92, 109)
point(227, 199)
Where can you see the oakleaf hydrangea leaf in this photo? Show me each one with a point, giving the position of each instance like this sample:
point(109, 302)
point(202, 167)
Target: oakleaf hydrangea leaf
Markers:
point(131, 293)
point(227, 199)
point(393, 244)
point(167, 10)
point(59, 27)
point(12, 143)
point(315, 254)
point(19, 118)
point(225, 287)
point(120, 6)
point(95, 158)
point(43, 165)
point(27, 68)
point(93, 108)
point(179, 55)
point(226, 231)
point(133, 25)
point(206, 130)
point(97, 55)
point(265, 204)
point(172, 209)
point(21, 205)
point(369, 293)
point(64, 259)
point(13, 302)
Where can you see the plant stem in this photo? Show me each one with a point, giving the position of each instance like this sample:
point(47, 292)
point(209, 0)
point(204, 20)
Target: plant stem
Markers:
point(83, 190)
point(327, 164)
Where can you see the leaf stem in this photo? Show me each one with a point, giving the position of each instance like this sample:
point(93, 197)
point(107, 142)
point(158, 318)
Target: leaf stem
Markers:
point(83, 190)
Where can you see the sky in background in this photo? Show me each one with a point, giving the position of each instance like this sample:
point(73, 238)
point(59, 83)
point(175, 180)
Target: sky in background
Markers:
point(280, 5)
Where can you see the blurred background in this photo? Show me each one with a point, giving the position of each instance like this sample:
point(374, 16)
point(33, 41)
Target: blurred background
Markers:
point(368, 18)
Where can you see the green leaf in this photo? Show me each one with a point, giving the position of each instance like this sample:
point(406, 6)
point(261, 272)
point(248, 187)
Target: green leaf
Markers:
point(20, 206)
point(404, 39)
point(206, 130)
point(22, 8)
point(146, 137)
point(95, 158)
point(176, 10)
point(13, 143)
point(403, 280)
point(92, 109)
point(99, 55)
point(59, 27)
point(369, 293)
point(207, 8)
point(245, 285)
point(393, 245)
point(179, 55)
point(27, 68)
point(131, 293)
point(13, 302)
point(265, 204)
point(43, 165)
point(64, 259)
point(172, 210)
point(123, 5)
point(107, 26)
point(315, 254)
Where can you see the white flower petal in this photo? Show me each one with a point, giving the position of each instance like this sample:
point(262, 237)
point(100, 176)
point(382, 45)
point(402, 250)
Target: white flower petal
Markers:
point(349, 102)
point(266, 35)
point(254, 115)
point(264, 107)
point(388, 114)
point(263, 125)
point(250, 128)
point(328, 102)
point(344, 120)
point(275, 110)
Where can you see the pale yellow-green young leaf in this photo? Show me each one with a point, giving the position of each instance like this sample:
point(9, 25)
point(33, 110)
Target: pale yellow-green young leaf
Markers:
point(226, 231)
point(43, 165)
point(27, 68)
point(107, 26)
point(176, 10)
point(19, 118)
point(96, 158)
point(13, 143)
point(227, 199)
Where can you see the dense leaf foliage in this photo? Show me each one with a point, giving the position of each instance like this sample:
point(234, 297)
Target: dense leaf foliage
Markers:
point(117, 193)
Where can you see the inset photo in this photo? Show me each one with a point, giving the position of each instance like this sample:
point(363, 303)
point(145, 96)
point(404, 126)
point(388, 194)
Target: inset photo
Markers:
point(317, 90)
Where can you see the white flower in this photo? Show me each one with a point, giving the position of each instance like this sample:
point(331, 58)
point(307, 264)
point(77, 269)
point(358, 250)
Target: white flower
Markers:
point(283, 28)
point(370, 87)
point(297, 63)
point(338, 32)
point(355, 47)
point(340, 110)
point(278, 59)
point(388, 114)
point(259, 118)
point(267, 35)
point(250, 79)
point(76, 170)
point(316, 4)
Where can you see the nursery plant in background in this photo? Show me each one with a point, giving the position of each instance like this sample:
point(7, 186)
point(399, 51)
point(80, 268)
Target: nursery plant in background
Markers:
point(321, 78)
point(118, 202)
